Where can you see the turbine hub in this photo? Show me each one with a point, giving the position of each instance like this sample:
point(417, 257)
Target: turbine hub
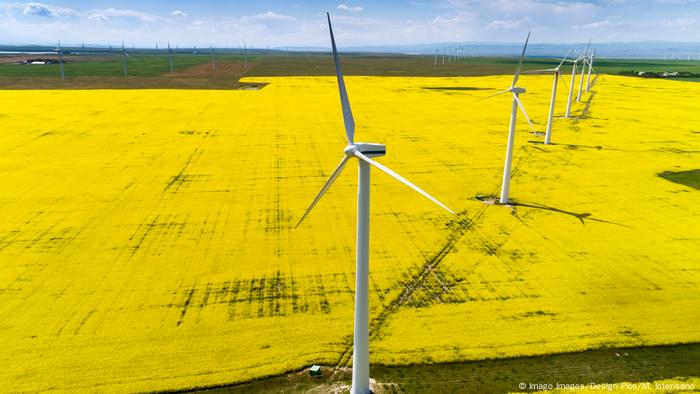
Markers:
point(517, 90)
point(366, 148)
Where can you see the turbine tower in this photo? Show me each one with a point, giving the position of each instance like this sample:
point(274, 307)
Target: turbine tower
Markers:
point(363, 152)
point(583, 71)
point(125, 63)
point(590, 67)
point(60, 58)
point(245, 56)
point(557, 75)
point(170, 55)
point(515, 91)
point(571, 86)
point(213, 61)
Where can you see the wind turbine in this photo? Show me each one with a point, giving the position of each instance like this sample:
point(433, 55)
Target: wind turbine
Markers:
point(557, 75)
point(516, 91)
point(571, 85)
point(245, 55)
point(170, 53)
point(583, 70)
point(60, 58)
point(363, 152)
point(213, 61)
point(125, 60)
point(590, 67)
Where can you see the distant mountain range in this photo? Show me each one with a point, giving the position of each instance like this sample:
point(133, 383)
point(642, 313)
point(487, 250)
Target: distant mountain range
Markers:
point(631, 50)
point(643, 50)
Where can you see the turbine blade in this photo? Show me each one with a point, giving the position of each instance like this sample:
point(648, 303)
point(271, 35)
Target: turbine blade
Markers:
point(564, 59)
point(522, 109)
point(402, 180)
point(344, 101)
point(520, 64)
point(493, 95)
point(546, 70)
point(325, 187)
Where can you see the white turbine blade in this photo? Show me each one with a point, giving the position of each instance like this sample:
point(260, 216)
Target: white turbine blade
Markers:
point(325, 187)
point(402, 180)
point(493, 95)
point(546, 70)
point(520, 64)
point(564, 59)
point(522, 109)
point(344, 101)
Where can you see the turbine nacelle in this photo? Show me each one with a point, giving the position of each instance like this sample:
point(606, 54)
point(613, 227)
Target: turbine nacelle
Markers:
point(366, 148)
point(517, 90)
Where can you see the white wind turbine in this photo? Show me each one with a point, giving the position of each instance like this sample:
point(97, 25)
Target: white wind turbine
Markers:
point(557, 74)
point(505, 187)
point(245, 56)
point(571, 84)
point(60, 58)
point(125, 57)
point(213, 60)
point(590, 67)
point(170, 55)
point(361, 151)
point(583, 71)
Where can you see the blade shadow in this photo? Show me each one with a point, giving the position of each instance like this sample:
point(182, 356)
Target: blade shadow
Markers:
point(454, 88)
point(580, 216)
point(575, 146)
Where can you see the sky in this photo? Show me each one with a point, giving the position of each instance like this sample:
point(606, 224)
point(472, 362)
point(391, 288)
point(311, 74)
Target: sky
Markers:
point(278, 23)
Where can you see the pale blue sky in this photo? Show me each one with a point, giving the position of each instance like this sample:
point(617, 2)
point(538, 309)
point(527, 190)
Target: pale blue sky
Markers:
point(289, 23)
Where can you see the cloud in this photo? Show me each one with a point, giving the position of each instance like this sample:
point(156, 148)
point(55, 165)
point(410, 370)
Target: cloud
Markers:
point(506, 24)
point(679, 23)
point(39, 9)
point(113, 13)
point(269, 15)
point(344, 7)
point(599, 24)
point(178, 14)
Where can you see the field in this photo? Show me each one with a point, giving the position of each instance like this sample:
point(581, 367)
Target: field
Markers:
point(194, 71)
point(148, 238)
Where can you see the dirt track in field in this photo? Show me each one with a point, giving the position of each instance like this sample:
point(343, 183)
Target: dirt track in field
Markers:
point(222, 69)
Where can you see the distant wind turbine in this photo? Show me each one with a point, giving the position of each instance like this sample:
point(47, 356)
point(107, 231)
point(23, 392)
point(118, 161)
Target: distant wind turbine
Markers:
point(60, 58)
point(213, 61)
point(571, 85)
point(363, 152)
point(245, 56)
point(515, 91)
point(590, 67)
point(125, 60)
point(583, 71)
point(557, 75)
point(170, 55)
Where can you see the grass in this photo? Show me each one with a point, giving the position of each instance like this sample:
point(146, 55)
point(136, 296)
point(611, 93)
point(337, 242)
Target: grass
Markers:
point(622, 367)
point(152, 71)
point(144, 71)
point(140, 65)
point(148, 237)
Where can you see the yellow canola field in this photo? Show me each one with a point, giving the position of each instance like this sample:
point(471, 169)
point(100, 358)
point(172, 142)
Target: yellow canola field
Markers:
point(147, 239)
